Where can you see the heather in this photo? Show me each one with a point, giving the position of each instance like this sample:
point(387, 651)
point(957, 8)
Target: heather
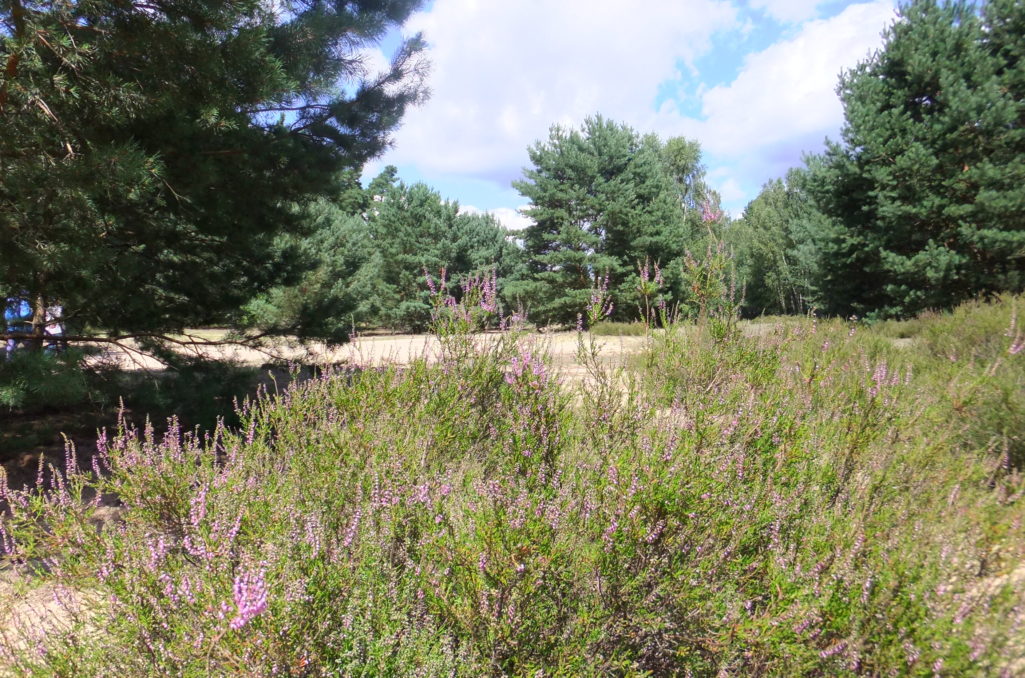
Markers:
point(808, 498)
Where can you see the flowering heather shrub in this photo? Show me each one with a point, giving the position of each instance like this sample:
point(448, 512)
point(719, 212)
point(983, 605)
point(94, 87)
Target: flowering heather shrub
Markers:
point(805, 503)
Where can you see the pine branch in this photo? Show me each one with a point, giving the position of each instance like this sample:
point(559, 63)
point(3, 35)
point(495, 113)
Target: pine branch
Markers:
point(189, 340)
point(11, 70)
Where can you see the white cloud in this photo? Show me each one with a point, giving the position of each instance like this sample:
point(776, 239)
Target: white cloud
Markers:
point(783, 100)
point(788, 11)
point(504, 72)
point(511, 218)
point(730, 190)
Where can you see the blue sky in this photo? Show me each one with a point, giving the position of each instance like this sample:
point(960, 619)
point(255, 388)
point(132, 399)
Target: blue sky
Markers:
point(753, 81)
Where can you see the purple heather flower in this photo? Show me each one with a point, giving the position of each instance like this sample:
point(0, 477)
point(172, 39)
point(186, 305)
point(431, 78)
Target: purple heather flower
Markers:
point(352, 530)
point(710, 213)
point(250, 593)
point(835, 649)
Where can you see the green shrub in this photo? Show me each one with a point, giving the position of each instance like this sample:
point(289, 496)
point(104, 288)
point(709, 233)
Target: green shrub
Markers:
point(196, 391)
point(901, 329)
point(608, 328)
point(973, 358)
point(976, 332)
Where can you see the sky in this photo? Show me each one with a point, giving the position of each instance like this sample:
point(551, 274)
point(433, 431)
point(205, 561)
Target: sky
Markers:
point(753, 81)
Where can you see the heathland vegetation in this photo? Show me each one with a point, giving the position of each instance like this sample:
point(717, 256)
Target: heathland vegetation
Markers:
point(835, 489)
point(817, 500)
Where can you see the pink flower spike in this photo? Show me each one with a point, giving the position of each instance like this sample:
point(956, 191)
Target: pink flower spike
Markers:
point(250, 592)
point(430, 282)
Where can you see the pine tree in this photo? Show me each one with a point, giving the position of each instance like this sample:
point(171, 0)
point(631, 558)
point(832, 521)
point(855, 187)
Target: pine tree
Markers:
point(369, 250)
point(603, 200)
point(927, 191)
point(414, 230)
point(154, 151)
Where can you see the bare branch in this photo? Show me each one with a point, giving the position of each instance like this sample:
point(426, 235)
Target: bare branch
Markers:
point(277, 109)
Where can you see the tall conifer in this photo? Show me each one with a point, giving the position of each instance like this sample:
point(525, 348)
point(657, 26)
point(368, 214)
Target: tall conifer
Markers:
point(153, 150)
point(927, 191)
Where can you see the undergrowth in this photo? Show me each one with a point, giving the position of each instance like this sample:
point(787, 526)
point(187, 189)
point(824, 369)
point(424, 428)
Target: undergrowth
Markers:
point(815, 501)
point(609, 328)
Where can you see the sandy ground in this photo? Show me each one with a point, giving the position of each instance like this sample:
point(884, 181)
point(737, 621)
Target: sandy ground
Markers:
point(379, 350)
point(35, 611)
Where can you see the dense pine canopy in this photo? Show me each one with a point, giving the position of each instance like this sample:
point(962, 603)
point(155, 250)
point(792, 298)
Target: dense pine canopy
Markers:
point(370, 251)
point(927, 190)
point(153, 151)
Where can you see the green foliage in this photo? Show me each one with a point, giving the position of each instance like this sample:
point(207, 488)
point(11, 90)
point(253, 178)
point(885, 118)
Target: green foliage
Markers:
point(682, 158)
point(152, 153)
point(196, 391)
point(603, 199)
point(609, 328)
point(982, 383)
point(926, 192)
point(774, 248)
point(45, 395)
point(32, 381)
point(416, 231)
point(340, 290)
point(81, 385)
point(367, 268)
point(711, 282)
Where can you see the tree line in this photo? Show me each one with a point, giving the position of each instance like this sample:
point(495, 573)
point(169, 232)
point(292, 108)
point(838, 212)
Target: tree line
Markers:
point(171, 164)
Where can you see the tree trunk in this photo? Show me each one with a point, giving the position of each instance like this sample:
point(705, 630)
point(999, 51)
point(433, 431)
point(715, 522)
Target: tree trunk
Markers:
point(38, 323)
